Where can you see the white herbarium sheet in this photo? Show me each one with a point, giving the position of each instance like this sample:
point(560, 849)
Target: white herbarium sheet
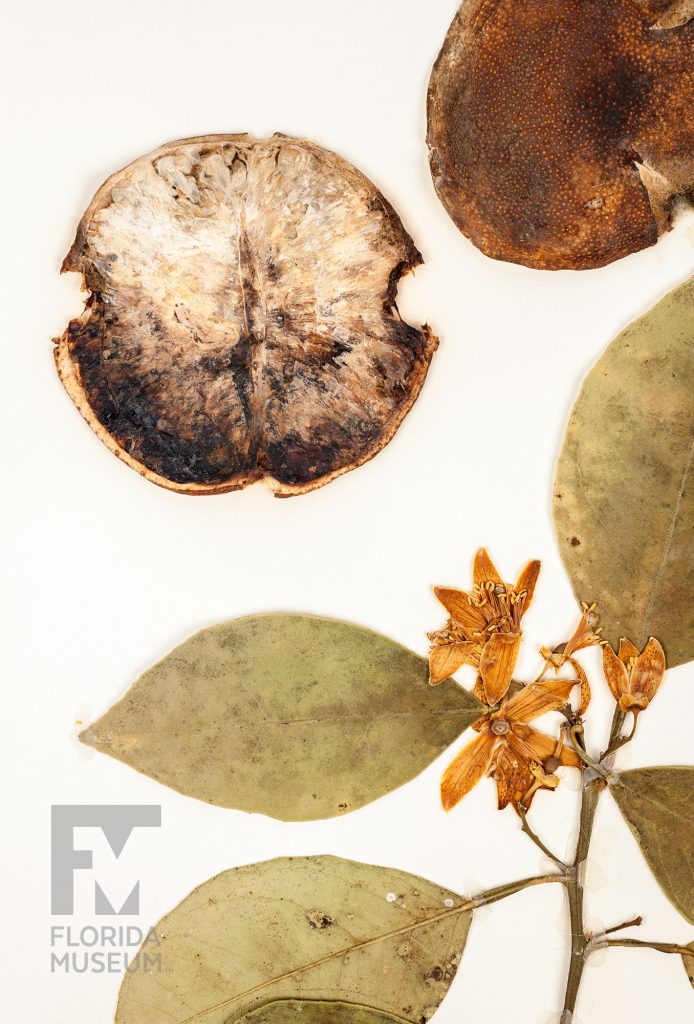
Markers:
point(105, 573)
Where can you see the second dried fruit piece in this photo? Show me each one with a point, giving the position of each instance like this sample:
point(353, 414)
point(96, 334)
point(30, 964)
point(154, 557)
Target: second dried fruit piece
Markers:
point(242, 320)
point(562, 131)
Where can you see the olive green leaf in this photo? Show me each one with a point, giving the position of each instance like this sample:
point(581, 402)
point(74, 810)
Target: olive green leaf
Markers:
point(287, 715)
point(658, 805)
point(688, 961)
point(302, 1011)
point(307, 928)
point(624, 499)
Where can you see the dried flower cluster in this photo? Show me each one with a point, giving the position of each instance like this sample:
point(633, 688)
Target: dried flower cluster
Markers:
point(484, 630)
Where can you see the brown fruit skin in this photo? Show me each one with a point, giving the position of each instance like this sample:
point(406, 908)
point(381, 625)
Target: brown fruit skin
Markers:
point(242, 323)
point(561, 132)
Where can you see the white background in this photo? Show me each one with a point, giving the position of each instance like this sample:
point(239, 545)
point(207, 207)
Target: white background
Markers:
point(107, 572)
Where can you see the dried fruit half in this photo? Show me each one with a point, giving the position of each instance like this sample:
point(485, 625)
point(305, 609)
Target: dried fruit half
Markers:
point(242, 320)
point(561, 132)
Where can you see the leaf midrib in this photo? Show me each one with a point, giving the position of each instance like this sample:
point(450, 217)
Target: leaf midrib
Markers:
point(464, 908)
point(674, 519)
point(235, 723)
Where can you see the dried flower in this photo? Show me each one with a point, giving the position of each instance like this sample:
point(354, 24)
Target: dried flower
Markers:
point(520, 759)
point(586, 634)
point(484, 627)
point(634, 678)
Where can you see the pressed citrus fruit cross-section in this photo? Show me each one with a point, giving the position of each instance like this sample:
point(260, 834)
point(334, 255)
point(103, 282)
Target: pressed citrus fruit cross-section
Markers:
point(242, 320)
point(561, 132)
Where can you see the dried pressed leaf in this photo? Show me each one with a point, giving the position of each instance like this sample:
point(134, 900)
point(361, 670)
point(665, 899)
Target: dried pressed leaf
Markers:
point(624, 500)
point(313, 1011)
point(242, 320)
point(658, 805)
point(561, 132)
point(308, 928)
point(688, 961)
point(287, 715)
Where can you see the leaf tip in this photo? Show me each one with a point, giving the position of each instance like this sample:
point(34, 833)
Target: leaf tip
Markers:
point(89, 736)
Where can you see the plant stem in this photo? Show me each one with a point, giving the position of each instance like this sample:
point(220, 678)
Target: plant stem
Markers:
point(661, 947)
point(636, 923)
point(616, 740)
point(590, 797)
point(575, 735)
point(538, 842)
point(483, 899)
point(579, 943)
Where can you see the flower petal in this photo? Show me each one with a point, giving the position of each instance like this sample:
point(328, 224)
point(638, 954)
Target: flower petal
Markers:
point(585, 686)
point(627, 650)
point(648, 671)
point(446, 659)
point(457, 604)
point(569, 758)
point(538, 746)
point(497, 663)
point(615, 671)
point(484, 570)
point(466, 770)
point(512, 776)
point(587, 633)
point(538, 698)
point(526, 582)
point(479, 691)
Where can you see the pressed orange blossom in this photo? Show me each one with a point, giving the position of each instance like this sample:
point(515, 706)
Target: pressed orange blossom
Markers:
point(518, 757)
point(484, 630)
point(484, 627)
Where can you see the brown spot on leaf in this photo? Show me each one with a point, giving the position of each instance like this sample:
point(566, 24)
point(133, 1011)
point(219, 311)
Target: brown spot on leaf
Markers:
point(317, 919)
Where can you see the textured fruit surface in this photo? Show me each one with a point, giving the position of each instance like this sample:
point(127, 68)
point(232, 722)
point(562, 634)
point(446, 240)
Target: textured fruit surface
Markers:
point(561, 132)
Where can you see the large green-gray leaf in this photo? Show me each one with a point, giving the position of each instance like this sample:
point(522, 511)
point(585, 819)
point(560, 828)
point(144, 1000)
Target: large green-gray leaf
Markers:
point(309, 928)
point(303, 1011)
point(288, 715)
point(688, 961)
point(624, 497)
point(658, 805)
